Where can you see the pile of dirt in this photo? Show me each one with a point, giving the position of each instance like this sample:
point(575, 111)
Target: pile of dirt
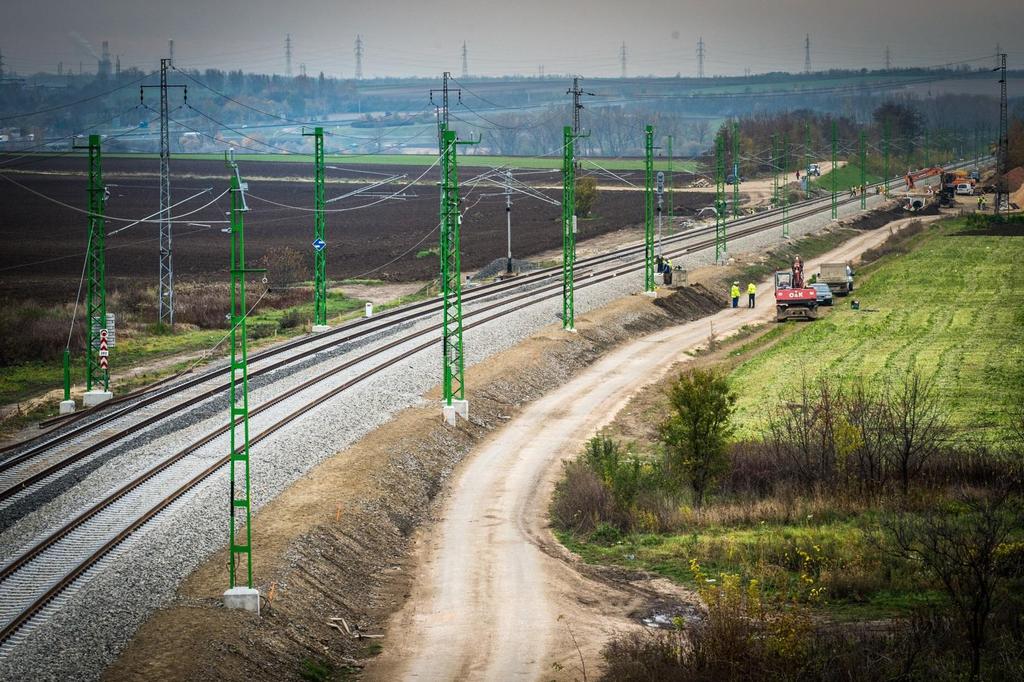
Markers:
point(1014, 179)
point(334, 544)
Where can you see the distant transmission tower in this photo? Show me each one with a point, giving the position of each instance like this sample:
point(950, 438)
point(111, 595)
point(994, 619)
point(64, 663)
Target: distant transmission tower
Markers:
point(170, 50)
point(700, 57)
point(288, 55)
point(888, 59)
point(1004, 143)
point(807, 53)
point(465, 60)
point(622, 57)
point(359, 57)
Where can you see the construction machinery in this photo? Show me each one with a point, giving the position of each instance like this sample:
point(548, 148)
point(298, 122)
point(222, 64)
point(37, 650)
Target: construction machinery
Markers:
point(913, 177)
point(838, 277)
point(793, 299)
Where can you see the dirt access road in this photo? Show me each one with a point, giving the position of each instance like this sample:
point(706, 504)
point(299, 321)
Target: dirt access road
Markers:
point(495, 596)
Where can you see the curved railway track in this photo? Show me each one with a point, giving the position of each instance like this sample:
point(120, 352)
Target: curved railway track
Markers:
point(36, 582)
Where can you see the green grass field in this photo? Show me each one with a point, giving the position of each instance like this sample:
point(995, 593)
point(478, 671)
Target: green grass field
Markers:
point(846, 177)
point(947, 309)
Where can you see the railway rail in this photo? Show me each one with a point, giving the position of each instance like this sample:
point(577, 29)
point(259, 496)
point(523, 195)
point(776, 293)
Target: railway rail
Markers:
point(37, 581)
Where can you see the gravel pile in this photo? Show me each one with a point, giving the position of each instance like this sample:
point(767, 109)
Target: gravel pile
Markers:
point(101, 615)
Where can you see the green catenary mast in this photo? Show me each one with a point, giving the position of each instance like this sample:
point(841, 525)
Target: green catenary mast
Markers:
point(721, 208)
point(649, 209)
point(319, 232)
point(835, 168)
point(671, 210)
point(885, 154)
point(735, 169)
point(453, 379)
point(863, 171)
point(785, 192)
point(775, 170)
point(96, 265)
point(238, 394)
point(568, 229)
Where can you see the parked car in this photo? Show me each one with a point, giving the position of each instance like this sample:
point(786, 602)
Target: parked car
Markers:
point(824, 293)
point(731, 179)
point(814, 170)
point(965, 188)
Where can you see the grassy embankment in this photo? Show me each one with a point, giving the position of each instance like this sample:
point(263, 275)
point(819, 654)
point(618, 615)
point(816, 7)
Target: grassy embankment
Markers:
point(944, 309)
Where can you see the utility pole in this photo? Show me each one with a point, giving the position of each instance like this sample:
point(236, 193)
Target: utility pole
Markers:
point(863, 171)
point(319, 233)
point(568, 229)
point(508, 218)
point(97, 370)
point(622, 58)
point(577, 107)
point(721, 208)
point(835, 168)
point(359, 57)
point(885, 154)
point(701, 52)
point(465, 60)
point(735, 169)
point(170, 50)
point(453, 381)
point(649, 210)
point(671, 185)
point(785, 195)
point(288, 55)
point(239, 473)
point(888, 59)
point(776, 165)
point(165, 293)
point(442, 109)
point(808, 160)
point(1004, 142)
point(807, 53)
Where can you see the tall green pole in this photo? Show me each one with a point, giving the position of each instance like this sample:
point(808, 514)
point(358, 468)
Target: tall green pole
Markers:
point(775, 170)
point(671, 191)
point(863, 172)
point(835, 172)
point(238, 391)
point(885, 153)
point(721, 208)
point(735, 169)
point(319, 231)
point(568, 229)
point(96, 264)
point(785, 193)
point(807, 160)
point(649, 209)
point(927, 153)
point(67, 374)
point(453, 383)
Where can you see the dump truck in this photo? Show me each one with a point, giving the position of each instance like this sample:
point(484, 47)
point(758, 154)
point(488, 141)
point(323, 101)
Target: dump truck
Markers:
point(794, 300)
point(838, 277)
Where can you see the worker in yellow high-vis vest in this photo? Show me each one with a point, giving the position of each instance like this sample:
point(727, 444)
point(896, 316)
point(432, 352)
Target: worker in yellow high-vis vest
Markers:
point(734, 293)
point(751, 292)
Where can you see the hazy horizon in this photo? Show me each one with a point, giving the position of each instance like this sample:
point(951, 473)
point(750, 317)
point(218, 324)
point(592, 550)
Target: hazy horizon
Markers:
point(404, 38)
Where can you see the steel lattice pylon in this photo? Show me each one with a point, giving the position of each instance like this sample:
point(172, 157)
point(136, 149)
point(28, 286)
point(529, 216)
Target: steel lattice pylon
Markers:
point(238, 391)
point(568, 228)
point(775, 171)
point(863, 172)
point(96, 258)
point(453, 385)
point(1002, 151)
point(835, 176)
point(649, 209)
point(319, 231)
point(166, 286)
point(785, 193)
point(721, 208)
point(735, 169)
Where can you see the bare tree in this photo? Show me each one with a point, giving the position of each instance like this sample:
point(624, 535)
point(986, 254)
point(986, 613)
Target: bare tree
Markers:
point(958, 546)
point(866, 413)
point(916, 422)
point(802, 432)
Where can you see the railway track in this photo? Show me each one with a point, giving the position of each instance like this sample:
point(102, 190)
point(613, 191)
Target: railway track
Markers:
point(36, 583)
point(43, 461)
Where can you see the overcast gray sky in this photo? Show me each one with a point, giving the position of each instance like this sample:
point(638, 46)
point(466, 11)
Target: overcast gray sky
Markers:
point(424, 37)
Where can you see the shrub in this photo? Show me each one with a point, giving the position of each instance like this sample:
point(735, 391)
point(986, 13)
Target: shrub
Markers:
point(292, 319)
point(285, 266)
point(581, 500)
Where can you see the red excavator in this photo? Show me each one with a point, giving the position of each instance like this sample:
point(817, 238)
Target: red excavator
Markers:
point(794, 300)
point(912, 178)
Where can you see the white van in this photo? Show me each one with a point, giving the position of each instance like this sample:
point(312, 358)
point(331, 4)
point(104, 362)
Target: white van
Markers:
point(965, 188)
